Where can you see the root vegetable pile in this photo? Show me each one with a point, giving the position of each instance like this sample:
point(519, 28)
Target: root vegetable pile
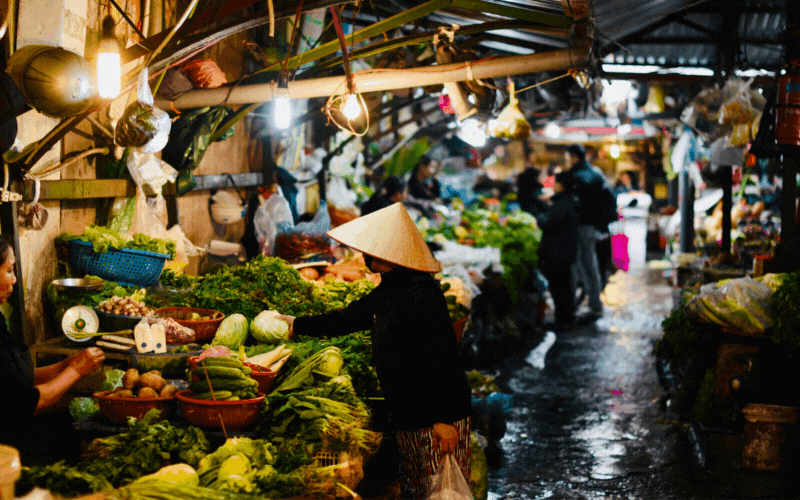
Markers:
point(126, 306)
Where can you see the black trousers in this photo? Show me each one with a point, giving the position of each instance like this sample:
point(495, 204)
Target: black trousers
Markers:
point(562, 289)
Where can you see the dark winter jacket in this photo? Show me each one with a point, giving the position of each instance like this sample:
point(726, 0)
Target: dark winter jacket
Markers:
point(528, 191)
point(559, 225)
point(18, 390)
point(414, 348)
point(586, 182)
point(428, 189)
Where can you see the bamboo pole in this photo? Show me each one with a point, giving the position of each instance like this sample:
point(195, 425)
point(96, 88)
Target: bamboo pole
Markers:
point(380, 80)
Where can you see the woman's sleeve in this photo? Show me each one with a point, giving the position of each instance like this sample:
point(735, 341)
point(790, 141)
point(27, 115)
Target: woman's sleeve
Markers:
point(356, 317)
point(13, 387)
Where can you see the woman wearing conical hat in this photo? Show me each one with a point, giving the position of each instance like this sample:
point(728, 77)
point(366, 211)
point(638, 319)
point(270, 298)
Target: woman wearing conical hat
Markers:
point(414, 348)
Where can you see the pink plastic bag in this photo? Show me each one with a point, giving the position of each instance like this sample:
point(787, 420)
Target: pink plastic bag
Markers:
point(448, 483)
point(619, 251)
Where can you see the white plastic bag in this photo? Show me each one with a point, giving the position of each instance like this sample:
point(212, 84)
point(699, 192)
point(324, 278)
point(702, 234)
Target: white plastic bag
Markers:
point(272, 216)
point(739, 304)
point(448, 483)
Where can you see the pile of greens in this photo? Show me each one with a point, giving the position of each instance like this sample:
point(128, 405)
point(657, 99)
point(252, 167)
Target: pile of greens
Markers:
point(116, 460)
point(326, 416)
point(516, 235)
point(146, 447)
point(785, 306)
point(102, 238)
point(266, 283)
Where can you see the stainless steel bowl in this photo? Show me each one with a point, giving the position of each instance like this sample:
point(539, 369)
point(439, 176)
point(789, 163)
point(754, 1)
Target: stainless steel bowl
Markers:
point(78, 284)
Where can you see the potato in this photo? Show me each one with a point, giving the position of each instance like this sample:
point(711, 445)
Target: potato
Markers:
point(130, 378)
point(147, 393)
point(168, 391)
point(122, 393)
point(309, 273)
point(153, 380)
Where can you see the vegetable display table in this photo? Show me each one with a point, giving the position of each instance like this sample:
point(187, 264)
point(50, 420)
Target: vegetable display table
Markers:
point(66, 347)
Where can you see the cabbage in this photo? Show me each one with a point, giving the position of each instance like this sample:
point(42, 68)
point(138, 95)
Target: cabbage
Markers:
point(266, 328)
point(112, 381)
point(330, 364)
point(232, 332)
point(83, 407)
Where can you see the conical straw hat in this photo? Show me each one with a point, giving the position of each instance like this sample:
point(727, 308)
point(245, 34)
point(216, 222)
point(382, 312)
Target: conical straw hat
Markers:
point(388, 234)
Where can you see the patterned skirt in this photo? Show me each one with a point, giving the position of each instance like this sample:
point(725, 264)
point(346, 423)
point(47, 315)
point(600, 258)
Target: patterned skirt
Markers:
point(420, 460)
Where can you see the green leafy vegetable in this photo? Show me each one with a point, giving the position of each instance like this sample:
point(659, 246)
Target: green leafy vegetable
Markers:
point(60, 478)
point(102, 238)
point(145, 448)
point(785, 306)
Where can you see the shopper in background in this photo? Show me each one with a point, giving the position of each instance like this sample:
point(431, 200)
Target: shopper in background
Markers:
point(392, 190)
point(27, 394)
point(627, 180)
point(423, 185)
point(414, 347)
point(558, 250)
point(530, 192)
point(586, 182)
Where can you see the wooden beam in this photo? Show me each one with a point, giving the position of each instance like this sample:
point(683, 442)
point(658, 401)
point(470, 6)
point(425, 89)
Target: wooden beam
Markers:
point(84, 189)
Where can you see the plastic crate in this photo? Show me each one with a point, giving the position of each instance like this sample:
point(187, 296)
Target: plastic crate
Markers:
point(128, 267)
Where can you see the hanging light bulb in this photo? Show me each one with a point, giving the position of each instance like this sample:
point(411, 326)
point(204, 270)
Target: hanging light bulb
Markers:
point(109, 62)
point(282, 106)
point(351, 107)
point(614, 151)
point(552, 130)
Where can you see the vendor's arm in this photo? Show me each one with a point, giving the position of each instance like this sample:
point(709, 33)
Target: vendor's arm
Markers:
point(74, 368)
point(356, 317)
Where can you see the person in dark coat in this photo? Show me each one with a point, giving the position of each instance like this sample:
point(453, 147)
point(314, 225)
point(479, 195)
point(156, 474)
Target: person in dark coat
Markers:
point(29, 394)
point(558, 250)
point(414, 347)
point(586, 182)
point(392, 190)
point(529, 192)
point(422, 185)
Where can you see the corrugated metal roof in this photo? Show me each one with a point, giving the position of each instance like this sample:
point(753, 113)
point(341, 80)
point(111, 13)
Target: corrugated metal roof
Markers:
point(670, 33)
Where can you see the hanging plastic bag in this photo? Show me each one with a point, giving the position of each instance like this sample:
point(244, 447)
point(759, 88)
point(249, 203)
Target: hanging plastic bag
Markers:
point(307, 241)
point(510, 123)
point(272, 216)
point(448, 483)
point(142, 125)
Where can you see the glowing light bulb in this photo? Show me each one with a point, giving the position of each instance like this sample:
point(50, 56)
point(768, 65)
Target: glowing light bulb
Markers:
point(614, 151)
point(552, 130)
point(351, 107)
point(282, 109)
point(472, 133)
point(109, 62)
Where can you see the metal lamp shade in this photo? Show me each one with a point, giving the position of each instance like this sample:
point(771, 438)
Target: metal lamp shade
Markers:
point(54, 81)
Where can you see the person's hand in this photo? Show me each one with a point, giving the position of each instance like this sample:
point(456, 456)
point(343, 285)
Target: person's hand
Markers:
point(290, 321)
point(87, 361)
point(445, 437)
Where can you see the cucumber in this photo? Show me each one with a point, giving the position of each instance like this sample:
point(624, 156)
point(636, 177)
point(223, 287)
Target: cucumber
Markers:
point(221, 384)
point(233, 398)
point(221, 361)
point(219, 372)
point(247, 370)
point(220, 395)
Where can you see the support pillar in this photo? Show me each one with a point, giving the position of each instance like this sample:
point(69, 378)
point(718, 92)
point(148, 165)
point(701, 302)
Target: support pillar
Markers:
point(687, 212)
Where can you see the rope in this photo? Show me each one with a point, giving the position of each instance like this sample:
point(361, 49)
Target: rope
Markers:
point(569, 73)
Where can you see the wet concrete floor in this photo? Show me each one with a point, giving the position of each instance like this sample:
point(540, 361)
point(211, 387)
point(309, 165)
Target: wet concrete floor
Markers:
point(590, 420)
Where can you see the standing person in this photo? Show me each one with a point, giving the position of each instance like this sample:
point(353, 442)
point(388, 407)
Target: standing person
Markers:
point(584, 181)
point(414, 348)
point(558, 250)
point(393, 190)
point(423, 185)
point(530, 192)
point(28, 394)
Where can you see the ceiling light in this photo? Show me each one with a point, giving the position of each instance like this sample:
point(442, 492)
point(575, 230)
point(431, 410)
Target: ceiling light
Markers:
point(109, 62)
point(351, 107)
point(552, 130)
point(624, 129)
point(614, 151)
point(473, 133)
point(282, 107)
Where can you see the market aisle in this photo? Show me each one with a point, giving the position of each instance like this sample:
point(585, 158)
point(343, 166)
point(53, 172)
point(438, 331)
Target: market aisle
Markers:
point(591, 423)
